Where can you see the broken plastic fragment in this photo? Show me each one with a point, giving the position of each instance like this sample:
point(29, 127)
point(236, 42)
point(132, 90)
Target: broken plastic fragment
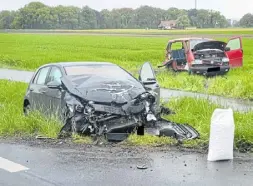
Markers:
point(42, 137)
point(151, 117)
point(142, 167)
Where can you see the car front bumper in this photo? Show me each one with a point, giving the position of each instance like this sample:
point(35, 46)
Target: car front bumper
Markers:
point(210, 70)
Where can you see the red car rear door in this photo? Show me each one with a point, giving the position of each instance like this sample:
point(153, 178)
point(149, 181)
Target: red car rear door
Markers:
point(235, 54)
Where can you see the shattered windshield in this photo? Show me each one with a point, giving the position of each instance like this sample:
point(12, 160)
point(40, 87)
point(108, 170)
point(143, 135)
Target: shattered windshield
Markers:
point(108, 71)
point(194, 42)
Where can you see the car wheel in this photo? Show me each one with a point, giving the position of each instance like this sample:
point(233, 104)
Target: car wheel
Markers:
point(66, 129)
point(27, 109)
point(67, 123)
point(140, 130)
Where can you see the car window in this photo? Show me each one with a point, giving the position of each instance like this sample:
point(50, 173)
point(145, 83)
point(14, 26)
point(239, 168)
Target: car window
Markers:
point(40, 79)
point(36, 77)
point(98, 70)
point(234, 44)
point(194, 42)
point(177, 46)
point(55, 74)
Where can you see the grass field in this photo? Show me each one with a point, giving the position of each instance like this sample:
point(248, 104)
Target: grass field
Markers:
point(12, 120)
point(14, 123)
point(28, 51)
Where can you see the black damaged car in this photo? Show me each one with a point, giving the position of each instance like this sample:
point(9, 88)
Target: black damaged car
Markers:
point(100, 98)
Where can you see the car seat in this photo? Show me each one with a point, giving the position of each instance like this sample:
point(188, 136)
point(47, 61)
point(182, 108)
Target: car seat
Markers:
point(179, 56)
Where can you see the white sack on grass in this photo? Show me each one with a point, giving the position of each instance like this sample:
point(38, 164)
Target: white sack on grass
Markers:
point(221, 139)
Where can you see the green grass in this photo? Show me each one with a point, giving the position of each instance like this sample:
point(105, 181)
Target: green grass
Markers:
point(29, 51)
point(198, 112)
point(12, 120)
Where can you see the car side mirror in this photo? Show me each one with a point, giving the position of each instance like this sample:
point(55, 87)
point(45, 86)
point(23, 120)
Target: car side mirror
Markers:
point(227, 49)
point(54, 84)
point(146, 74)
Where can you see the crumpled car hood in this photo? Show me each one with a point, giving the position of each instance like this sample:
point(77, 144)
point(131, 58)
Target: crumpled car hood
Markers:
point(116, 122)
point(106, 91)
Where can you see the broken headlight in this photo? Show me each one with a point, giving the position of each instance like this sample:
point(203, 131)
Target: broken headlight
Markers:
point(197, 62)
point(89, 108)
point(79, 108)
point(225, 59)
point(143, 96)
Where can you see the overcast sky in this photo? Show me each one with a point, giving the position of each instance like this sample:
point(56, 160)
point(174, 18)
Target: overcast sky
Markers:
point(230, 8)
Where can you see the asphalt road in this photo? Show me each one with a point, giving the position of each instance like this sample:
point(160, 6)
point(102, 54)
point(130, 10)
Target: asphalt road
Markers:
point(26, 165)
point(166, 94)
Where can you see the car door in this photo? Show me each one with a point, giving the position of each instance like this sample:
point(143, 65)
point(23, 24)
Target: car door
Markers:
point(54, 95)
point(148, 78)
point(235, 53)
point(37, 89)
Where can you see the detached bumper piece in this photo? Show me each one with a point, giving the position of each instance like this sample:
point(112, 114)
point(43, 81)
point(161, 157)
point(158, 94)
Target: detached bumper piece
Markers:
point(162, 128)
point(175, 130)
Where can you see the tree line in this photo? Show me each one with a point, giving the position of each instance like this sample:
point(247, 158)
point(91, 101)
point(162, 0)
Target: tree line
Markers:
point(36, 15)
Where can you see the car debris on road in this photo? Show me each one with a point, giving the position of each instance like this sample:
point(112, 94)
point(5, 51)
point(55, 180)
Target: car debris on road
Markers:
point(100, 98)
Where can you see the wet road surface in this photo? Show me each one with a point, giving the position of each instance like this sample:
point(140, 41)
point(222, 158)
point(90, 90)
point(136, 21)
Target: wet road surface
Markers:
point(61, 166)
point(16, 75)
point(235, 104)
point(166, 94)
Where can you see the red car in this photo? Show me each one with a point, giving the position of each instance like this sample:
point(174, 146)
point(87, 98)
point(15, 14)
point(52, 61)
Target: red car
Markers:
point(203, 55)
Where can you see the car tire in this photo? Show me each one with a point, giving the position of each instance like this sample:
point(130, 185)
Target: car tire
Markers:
point(67, 124)
point(66, 129)
point(140, 130)
point(27, 109)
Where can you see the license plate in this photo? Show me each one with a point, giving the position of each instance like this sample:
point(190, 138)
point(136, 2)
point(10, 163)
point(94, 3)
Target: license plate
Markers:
point(108, 109)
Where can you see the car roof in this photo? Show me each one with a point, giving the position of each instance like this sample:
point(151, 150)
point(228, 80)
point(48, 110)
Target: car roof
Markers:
point(190, 38)
point(77, 63)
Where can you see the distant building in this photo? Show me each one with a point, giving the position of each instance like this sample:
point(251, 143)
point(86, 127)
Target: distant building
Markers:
point(167, 25)
point(232, 22)
point(235, 23)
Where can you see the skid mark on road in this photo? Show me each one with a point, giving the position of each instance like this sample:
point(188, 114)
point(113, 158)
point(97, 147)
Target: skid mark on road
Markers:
point(11, 166)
